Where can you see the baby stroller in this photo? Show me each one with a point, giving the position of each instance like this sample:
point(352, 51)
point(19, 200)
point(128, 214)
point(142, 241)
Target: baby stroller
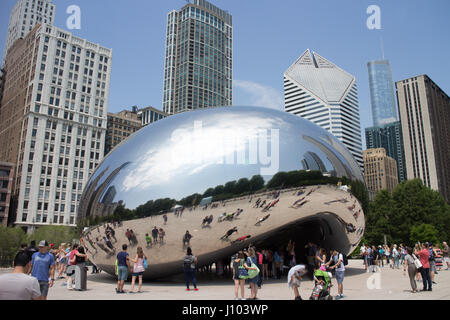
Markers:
point(322, 286)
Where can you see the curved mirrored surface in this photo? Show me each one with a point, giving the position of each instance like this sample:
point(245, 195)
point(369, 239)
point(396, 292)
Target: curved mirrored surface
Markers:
point(222, 174)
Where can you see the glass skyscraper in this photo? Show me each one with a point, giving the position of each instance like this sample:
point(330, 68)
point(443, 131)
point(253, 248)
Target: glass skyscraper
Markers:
point(199, 51)
point(382, 95)
point(389, 137)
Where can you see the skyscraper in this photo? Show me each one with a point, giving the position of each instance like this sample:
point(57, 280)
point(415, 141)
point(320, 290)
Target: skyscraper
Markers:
point(53, 122)
point(318, 90)
point(198, 64)
point(382, 95)
point(25, 15)
point(424, 111)
point(120, 126)
point(380, 170)
point(389, 137)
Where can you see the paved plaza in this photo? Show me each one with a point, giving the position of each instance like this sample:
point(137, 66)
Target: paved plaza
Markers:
point(393, 285)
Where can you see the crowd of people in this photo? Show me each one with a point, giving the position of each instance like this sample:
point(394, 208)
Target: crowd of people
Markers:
point(36, 268)
point(423, 262)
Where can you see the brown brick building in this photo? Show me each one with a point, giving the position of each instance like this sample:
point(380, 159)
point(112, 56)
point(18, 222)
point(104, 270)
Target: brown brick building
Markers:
point(380, 171)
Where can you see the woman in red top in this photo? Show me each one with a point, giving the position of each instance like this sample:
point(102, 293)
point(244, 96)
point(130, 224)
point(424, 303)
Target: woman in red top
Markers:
point(424, 255)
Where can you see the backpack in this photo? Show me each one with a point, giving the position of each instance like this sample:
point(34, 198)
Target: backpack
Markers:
point(344, 259)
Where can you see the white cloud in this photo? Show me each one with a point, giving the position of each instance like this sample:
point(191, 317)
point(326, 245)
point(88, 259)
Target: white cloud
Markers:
point(255, 94)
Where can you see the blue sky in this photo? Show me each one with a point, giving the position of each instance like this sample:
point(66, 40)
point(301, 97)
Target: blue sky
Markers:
point(268, 37)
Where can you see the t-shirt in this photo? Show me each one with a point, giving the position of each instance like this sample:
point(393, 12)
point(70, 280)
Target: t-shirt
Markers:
point(341, 265)
point(19, 286)
point(423, 257)
point(189, 260)
point(409, 258)
point(122, 259)
point(71, 255)
point(41, 265)
point(445, 252)
point(148, 239)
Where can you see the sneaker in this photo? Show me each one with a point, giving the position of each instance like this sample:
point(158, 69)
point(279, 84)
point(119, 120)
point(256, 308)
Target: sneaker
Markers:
point(196, 289)
point(342, 296)
point(188, 289)
point(243, 299)
point(236, 299)
point(338, 297)
point(434, 282)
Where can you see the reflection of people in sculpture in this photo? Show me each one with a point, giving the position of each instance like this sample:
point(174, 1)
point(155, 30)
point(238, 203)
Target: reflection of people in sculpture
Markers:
point(241, 239)
point(109, 244)
point(222, 216)
point(257, 203)
point(101, 246)
point(262, 204)
point(207, 221)
point(350, 228)
point(262, 219)
point(356, 214)
point(298, 205)
point(229, 233)
point(186, 239)
point(270, 205)
point(238, 212)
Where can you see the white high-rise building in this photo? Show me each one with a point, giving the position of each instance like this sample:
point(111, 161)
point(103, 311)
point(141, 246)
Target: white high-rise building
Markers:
point(318, 90)
point(25, 15)
point(63, 122)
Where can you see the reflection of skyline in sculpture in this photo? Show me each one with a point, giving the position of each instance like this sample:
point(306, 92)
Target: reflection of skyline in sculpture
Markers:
point(153, 174)
point(312, 162)
point(105, 207)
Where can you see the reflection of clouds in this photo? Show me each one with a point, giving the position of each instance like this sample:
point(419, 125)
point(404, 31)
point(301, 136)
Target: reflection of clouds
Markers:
point(194, 146)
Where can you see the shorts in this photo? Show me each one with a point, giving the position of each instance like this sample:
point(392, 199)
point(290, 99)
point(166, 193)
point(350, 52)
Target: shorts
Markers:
point(122, 273)
point(340, 276)
point(43, 285)
point(432, 266)
point(136, 274)
point(63, 261)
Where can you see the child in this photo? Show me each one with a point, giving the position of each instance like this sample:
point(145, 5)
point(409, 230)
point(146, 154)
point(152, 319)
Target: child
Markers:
point(148, 239)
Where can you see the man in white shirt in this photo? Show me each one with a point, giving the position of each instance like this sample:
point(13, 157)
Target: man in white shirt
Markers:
point(364, 255)
point(18, 285)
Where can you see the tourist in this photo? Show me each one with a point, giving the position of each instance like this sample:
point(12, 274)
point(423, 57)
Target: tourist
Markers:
point(62, 256)
point(363, 253)
point(189, 265)
point(165, 218)
point(433, 270)
point(155, 232)
point(424, 256)
point(259, 261)
point(138, 269)
point(43, 268)
point(229, 233)
point(128, 235)
point(290, 251)
point(294, 279)
point(186, 239)
point(446, 254)
point(387, 254)
point(375, 258)
point(321, 257)
point(438, 257)
point(265, 265)
point(238, 263)
point(402, 254)
point(81, 270)
point(412, 269)
point(123, 264)
point(381, 255)
point(133, 237)
point(73, 259)
point(18, 285)
point(148, 240)
point(161, 234)
point(338, 260)
point(396, 257)
point(277, 265)
point(32, 249)
point(311, 255)
point(251, 259)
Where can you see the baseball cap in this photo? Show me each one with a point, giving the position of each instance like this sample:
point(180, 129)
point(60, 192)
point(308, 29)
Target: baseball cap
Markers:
point(43, 243)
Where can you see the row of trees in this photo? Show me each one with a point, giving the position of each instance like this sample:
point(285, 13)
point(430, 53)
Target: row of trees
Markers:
point(233, 189)
point(412, 213)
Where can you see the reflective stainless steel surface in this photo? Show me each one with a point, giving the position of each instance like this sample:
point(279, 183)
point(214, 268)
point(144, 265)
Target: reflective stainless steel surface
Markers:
point(189, 153)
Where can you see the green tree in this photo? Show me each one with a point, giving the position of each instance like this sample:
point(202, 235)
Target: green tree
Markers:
point(243, 185)
point(423, 233)
point(54, 234)
point(411, 204)
point(256, 182)
point(10, 241)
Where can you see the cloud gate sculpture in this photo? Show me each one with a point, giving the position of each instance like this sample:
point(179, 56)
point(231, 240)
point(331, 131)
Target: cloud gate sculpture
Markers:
point(231, 176)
